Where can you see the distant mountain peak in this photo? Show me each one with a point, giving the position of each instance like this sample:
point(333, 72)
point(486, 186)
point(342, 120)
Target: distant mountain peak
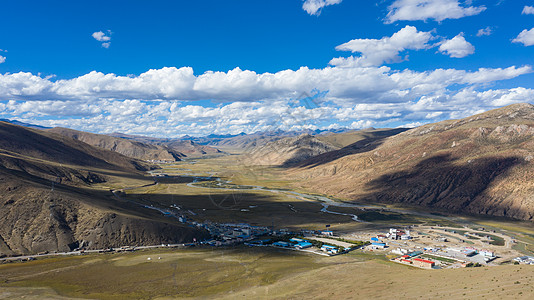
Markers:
point(15, 122)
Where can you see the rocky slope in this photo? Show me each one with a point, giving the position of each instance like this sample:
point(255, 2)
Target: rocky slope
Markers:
point(125, 147)
point(27, 143)
point(50, 200)
point(247, 142)
point(37, 218)
point(185, 147)
point(368, 135)
point(288, 151)
point(481, 165)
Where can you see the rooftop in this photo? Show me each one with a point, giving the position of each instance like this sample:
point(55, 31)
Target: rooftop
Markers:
point(424, 260)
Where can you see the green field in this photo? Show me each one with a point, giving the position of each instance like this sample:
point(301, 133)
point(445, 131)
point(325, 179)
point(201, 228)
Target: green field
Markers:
point(496, 240)
point(443, 259)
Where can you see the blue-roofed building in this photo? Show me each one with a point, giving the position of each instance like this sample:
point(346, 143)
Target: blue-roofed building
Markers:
point(259, 242)
point(282, 244)
point(303, 244)
point(296, 240)
point(330, 249)
point(374, 239)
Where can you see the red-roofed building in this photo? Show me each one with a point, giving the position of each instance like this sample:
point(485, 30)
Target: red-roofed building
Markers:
point(423, 263)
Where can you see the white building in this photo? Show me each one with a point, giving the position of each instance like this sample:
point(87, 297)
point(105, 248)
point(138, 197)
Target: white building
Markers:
point(487, 253)
point(330, 249)
point(400, 251)
point(529, 260)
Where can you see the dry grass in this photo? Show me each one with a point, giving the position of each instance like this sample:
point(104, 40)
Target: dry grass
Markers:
point(256, 273)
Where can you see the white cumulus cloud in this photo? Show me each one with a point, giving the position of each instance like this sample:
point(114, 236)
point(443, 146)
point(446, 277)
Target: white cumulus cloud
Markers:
point(101, 36)
point(2, 59)
point(376, 52)
point(314, 7)
point(457, 47)
point(105, 38)
point(439, 10)
point(174, 118)
point(353, 84)
point(484, 31)
point(356, 98)
point(525, 37)
point(528, 10)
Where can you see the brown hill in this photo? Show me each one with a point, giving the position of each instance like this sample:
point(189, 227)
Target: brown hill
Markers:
point(125, 147)
point(288, 151)
point(191, 148)
point(481, 165)
point(291, 151)
point(36, 144)
point(188, 148)
point(246, 143)
point(348, 138)
point(351, 143)
point(50, 199)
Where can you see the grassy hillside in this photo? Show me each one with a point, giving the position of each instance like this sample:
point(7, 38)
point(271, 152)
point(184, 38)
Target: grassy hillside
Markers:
point(288, 151)
point(249, 273)
point(27, 143)
point(56, 196)
point(185, 147)
point(345, 139)
point(479, 165)
point(128, 148)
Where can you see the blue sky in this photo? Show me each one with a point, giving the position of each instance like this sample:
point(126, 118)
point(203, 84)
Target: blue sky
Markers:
point(170, 68)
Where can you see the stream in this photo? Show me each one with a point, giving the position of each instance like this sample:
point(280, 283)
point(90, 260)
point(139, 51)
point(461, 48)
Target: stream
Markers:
point(324, 201)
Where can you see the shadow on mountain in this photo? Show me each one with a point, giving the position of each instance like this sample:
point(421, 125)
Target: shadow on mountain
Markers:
point(30, 144)
point(367, 144)
point(239, 206)
point(442, 182)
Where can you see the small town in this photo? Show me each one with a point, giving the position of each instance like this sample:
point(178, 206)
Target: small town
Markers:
point(427, 247)
point(435, 247)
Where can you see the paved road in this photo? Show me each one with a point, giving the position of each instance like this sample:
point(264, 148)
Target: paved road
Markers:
point(35, 256)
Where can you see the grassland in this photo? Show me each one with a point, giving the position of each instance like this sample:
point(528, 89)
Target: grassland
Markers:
point(184, 273)
point(234, 201)
point(256, 273)
point(253, 273)
point(213, 200)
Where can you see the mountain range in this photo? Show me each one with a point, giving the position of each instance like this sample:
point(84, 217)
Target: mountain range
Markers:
point(185, 147)
point(49, 202)
point(291, 151)
point(482, 164)
point(127, 147)
point(51, 179)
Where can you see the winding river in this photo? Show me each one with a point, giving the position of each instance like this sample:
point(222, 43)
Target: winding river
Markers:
point(326, 202)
